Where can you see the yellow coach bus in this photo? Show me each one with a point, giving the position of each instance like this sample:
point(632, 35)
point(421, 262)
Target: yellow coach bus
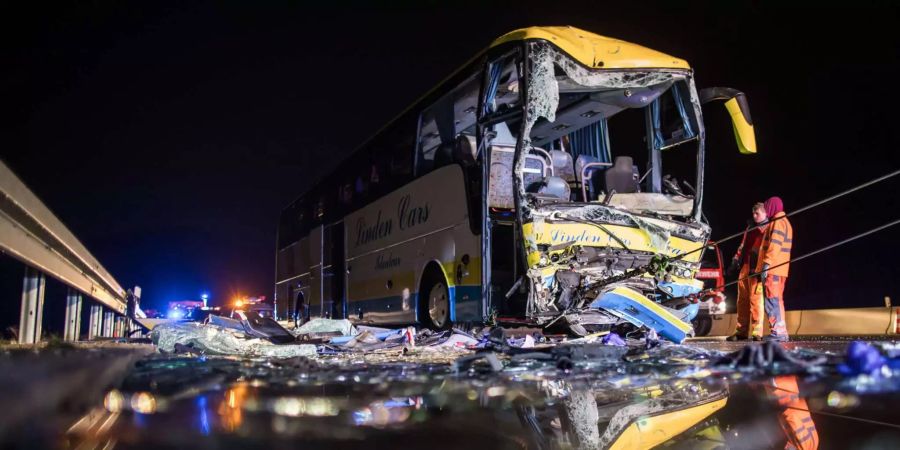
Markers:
point(526, 187)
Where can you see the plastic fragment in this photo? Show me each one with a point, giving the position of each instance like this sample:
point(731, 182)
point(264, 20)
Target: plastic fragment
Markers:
point(320, 325)
point(865, 359)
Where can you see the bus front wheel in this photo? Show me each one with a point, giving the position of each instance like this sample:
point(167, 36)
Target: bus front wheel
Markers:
point(435, 302)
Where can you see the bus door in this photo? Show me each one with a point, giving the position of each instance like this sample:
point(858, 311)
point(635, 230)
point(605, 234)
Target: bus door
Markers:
point(316, 272)
point(333, 271)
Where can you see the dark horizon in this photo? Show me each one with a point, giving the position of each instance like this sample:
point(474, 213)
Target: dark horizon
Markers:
point(168, 138)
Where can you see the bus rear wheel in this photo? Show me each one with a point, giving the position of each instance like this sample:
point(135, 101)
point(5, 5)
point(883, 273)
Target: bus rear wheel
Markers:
point(435, 303)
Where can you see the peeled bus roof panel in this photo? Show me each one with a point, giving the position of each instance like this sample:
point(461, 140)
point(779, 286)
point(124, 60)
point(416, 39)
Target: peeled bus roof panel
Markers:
point(595, 51)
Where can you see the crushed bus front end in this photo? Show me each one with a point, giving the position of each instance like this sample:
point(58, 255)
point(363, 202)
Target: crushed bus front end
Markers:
point(586, 266)
point(608, 237)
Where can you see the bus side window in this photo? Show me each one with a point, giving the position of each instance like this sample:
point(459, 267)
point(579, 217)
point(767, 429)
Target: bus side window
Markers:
point(392, 160)
point(443, 122)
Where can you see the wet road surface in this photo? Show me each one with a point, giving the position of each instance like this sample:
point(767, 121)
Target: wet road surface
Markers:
point(615, 397)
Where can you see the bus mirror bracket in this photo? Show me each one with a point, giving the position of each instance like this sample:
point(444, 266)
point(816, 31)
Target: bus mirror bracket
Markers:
point(739, 110)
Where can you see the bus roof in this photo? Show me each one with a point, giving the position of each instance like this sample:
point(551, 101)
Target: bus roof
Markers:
point(596, 51)
point(589, 49)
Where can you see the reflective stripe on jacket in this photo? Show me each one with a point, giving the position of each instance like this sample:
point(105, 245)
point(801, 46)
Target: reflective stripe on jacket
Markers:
point(776, 246)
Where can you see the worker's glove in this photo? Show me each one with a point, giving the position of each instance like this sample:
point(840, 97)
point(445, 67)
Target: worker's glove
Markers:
point(765, 273)
point(734, 267)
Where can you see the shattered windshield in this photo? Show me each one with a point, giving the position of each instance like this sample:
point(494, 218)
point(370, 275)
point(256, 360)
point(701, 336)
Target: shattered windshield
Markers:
point(623, 131)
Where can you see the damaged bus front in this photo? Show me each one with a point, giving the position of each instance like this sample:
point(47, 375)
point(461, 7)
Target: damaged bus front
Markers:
point(594, 185)
point(556, 178)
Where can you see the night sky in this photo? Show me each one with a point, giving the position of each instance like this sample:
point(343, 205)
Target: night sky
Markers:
point(168, 138)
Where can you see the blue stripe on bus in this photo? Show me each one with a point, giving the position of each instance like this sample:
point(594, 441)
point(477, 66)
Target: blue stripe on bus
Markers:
point(467, 306)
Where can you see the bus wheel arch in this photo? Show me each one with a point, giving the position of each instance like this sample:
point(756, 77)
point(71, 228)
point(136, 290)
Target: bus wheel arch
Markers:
point(434, 300)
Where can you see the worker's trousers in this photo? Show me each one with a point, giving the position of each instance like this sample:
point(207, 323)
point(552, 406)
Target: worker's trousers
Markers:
point(795, 419)
point(749, 305)
point(774, 300)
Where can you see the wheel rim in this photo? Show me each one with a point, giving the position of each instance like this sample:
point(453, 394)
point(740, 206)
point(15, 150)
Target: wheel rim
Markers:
point(438, 305)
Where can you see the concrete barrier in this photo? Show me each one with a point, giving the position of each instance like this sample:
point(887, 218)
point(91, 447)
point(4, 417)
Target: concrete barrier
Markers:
point(844, 321)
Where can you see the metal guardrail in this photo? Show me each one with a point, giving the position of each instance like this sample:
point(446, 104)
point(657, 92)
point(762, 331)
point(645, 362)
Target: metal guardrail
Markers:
point(30, 232)
point(879, 320)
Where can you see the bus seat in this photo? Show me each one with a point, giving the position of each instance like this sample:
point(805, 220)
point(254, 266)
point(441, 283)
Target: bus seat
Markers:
point(581, 175)
point(551, 187)
point(500, 189)
point(620, 177)
point(465, 151)
point(443, 155)
point(562, 165)
point(582, 161)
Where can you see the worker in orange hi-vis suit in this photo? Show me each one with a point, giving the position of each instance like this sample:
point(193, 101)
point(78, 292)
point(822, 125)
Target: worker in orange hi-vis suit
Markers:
point(749, 298)
point(773, 265)
point(795, 420)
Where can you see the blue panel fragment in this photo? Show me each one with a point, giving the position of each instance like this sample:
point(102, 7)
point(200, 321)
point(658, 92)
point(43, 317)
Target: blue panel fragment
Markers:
point(640, 311)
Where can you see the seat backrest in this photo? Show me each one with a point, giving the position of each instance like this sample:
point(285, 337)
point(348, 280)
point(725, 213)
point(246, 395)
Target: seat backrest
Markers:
point(443, 155)
point(582, 161)
point(562, 165)
point(552, 187)
point(465, 151)
point(620, 177)
point(500, 190)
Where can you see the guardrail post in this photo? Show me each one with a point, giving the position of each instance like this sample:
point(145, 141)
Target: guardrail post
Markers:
point(72, 330)
point(95, 321)
point(107, 324)
point(32, 312)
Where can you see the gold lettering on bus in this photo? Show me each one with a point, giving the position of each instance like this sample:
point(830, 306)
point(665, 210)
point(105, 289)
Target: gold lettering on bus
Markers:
point(408, 216)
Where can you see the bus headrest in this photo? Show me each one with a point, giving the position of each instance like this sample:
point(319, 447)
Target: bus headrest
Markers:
point(562, 165)
point(466, 150)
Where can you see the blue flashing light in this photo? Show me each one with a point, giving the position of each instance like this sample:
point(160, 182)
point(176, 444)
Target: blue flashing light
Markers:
point(176, 314)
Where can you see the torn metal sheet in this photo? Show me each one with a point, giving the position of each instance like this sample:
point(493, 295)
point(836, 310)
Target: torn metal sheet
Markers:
point(215, 340)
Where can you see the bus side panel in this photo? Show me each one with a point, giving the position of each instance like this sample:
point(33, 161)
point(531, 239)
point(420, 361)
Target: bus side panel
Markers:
point(466, 278)
point(292, 270)
point(390, 241)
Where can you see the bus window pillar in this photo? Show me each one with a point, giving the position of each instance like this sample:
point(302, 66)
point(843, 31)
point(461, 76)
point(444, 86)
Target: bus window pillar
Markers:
point(654, 142)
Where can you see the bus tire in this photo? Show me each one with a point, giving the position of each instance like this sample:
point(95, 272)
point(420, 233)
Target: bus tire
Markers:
point(702, 325)
point(434, 300)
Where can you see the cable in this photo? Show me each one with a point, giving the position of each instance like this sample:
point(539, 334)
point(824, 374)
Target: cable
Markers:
point(814, 252)
point(645, 268)
point(800, 210)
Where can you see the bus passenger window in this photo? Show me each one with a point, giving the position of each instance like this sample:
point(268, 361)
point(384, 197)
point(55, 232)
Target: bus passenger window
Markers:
point(346, 194)
point(373, 174)
point(442, 124)
point(362, 186)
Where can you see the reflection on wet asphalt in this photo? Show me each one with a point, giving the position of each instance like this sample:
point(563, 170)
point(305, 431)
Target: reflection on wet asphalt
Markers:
point(608, 397)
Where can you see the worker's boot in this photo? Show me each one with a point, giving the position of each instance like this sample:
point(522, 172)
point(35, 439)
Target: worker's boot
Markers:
point(756, 338)
point(736, 337)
